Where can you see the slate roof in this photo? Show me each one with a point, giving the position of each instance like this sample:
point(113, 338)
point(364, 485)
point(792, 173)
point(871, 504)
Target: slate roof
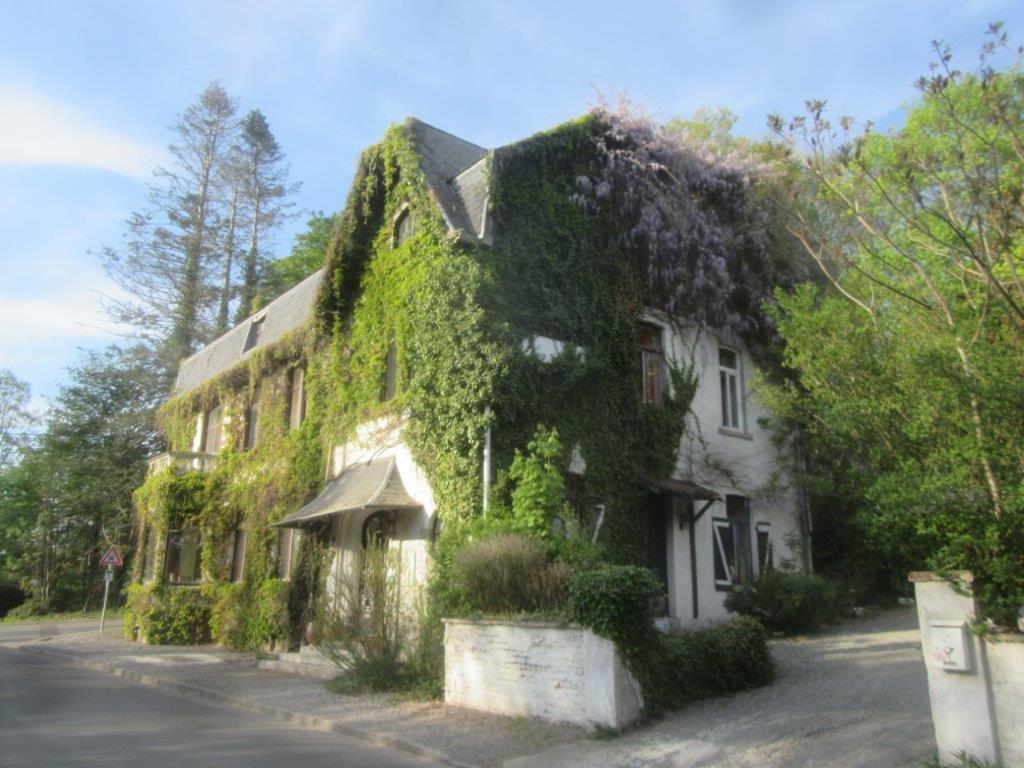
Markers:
point(288, 312)
point(373, 486)
point(443, 157)
point(456, 174)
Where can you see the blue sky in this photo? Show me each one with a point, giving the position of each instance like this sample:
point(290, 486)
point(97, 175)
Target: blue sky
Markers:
point(87, 91)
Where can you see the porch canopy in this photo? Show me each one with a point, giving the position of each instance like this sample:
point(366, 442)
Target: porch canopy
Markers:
point(683, 488)
point(370, 487)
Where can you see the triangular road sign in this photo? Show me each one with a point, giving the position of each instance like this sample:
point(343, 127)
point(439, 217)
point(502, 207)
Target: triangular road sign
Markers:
point(111, 558)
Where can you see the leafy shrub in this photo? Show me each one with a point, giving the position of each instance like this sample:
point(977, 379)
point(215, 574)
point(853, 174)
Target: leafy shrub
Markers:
point(509, 573)
point(789, 602)
point(708, 662)
point(167, 615)
point(615, 602)
point(248, 616)
point(227, 613)
point(539, 493)
point(29, 609)
point(359, 624)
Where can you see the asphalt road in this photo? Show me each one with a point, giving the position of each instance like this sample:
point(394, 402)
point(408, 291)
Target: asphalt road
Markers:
point(24, 632)
point(56, 715)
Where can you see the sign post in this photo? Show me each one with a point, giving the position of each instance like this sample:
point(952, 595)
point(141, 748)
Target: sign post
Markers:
point(110, 559)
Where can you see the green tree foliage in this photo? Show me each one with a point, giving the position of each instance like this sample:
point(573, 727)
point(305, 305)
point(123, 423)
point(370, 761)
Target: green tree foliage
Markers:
point(15, 416)
point(306, 257)
point(910, 377)
point(539, 493)
point(260, 165)
point(71, 494)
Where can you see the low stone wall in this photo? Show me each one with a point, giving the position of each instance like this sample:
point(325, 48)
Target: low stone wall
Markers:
point(976, 685)
point(558, 673)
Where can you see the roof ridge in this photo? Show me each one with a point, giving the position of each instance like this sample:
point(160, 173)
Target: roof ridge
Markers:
point(414, 119)
point(261, 311)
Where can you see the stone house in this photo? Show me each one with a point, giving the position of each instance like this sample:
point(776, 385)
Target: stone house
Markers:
point(466, 299)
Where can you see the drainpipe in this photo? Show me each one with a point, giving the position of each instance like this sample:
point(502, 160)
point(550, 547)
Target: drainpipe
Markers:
point(487, 459)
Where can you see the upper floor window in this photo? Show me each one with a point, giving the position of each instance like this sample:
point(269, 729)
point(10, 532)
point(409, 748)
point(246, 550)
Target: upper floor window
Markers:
point(252, 339)
point(652, 363)
point(389, 387)
point(731, 381)
point(212, 432)
point(252, 420)
point(405, 227)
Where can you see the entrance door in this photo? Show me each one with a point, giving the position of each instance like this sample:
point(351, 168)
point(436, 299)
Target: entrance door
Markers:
point(657, 507)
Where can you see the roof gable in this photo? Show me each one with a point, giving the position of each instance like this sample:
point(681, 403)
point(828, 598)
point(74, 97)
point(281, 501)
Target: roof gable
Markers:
point(443, 157)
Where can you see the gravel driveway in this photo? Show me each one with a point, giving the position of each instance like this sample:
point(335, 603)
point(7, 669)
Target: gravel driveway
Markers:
point(853, 697)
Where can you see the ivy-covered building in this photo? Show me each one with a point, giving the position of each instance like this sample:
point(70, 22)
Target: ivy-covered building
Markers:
point(469, 295)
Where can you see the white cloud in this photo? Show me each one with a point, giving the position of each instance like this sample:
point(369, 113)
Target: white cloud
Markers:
point(39, 131)
point(72, 316)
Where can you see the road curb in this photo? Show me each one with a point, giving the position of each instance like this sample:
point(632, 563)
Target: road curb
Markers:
point(312, 722)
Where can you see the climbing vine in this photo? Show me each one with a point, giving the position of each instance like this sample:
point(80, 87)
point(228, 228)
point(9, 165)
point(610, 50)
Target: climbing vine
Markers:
point(456, 317)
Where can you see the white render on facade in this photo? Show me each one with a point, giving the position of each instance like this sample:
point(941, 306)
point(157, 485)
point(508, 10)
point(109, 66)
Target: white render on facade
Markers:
point(412, 528)
point(976, 686)
point(557, 673)
point(743, 462)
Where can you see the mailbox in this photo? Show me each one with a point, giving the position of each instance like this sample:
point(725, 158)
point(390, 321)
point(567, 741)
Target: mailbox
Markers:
point(951, 646)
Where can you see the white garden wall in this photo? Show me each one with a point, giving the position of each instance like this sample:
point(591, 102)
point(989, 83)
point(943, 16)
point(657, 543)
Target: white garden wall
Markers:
point(976, 685)
point(558, 673)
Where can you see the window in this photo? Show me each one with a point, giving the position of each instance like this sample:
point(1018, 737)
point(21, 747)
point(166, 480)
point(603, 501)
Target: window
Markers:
point(732, 388)
point(252, 420)
point(389, 388)
point(252, 339)
point(765, 553)
point(732, 543)
point(405, 227)
point(296, 398)
point(652, 363)
point(212, 433)
point(288, 542)
point(181, 565)
point(149, 558)
point(377, 530)
point(238, 555)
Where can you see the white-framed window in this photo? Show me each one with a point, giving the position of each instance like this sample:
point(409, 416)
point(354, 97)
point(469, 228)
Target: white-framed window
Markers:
point(212, 431)
point(288, 542)
point(650, 343)
point(181, 561)
point(730, 377)
point(731, 540)
point(765, 552)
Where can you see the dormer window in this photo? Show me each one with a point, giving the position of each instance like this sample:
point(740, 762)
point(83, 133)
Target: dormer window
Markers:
point(255, 333)
point(405, 227)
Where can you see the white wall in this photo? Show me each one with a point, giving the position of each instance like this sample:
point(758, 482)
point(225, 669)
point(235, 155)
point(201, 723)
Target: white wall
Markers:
point(747, 463)
point(561, 674)
point(976, 686)
point(377, 440)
